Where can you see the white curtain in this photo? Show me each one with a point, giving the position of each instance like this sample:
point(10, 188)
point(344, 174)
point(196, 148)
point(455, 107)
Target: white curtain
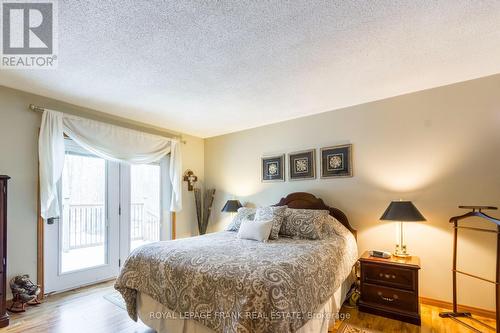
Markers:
point(106, 141)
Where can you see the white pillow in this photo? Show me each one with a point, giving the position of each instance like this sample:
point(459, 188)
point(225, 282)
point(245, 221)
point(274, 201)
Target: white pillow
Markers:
point(255, 230)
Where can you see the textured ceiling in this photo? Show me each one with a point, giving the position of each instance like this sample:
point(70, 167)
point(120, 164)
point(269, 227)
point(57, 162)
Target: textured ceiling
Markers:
point(213, 67)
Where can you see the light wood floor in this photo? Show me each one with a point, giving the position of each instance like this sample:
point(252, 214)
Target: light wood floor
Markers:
point(431, 322)
point(78, 311)
point(85, 310)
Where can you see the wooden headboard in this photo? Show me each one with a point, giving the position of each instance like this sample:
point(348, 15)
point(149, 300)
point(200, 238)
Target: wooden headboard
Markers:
point(304, 200)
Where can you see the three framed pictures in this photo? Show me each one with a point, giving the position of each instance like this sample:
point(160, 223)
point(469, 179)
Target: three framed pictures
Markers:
point(335, 161)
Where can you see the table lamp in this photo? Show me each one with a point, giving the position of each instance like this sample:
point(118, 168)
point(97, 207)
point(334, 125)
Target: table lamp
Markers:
point(402, 211)
point(231, 206)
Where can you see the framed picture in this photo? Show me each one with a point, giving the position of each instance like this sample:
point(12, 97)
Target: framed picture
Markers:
point(336, 161)
point(273, 168)
point(302, 165)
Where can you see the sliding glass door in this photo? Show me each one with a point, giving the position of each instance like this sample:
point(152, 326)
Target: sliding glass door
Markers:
point(108, 210)
point(82, 245)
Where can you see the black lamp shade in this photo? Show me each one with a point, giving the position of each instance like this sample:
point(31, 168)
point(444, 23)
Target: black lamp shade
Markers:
point(402, 211)
point(231, 206)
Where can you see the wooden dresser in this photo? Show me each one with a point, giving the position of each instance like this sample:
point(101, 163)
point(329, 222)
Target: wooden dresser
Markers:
point(4, 317)
point(389, 287)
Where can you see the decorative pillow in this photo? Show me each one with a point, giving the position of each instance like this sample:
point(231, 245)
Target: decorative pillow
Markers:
point(303, 223)
point(255, 230)
point(274, 213)
point(244, 213)
point(332, 227)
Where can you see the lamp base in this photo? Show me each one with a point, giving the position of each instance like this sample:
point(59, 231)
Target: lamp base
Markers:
point(401, 251)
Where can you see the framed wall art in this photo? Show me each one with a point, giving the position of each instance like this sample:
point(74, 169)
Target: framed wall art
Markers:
point(273, 168)
point(302, 165)
point(336, 161)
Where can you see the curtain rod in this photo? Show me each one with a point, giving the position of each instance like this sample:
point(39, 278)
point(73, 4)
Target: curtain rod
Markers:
point(37, 108)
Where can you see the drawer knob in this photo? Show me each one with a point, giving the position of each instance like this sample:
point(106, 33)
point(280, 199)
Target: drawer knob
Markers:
point(387, 299)
point(387, 276)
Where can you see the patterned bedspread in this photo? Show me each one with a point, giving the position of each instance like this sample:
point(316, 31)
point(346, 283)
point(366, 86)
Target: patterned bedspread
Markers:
point(236, 285)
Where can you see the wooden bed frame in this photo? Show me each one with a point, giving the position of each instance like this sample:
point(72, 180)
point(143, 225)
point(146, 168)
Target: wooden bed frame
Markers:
point(304, 200)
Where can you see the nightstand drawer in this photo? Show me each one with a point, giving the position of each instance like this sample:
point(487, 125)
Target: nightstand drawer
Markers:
point(400, 300)
point(389, 276)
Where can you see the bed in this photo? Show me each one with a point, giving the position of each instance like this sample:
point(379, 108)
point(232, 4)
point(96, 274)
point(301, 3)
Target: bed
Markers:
point(220, 283)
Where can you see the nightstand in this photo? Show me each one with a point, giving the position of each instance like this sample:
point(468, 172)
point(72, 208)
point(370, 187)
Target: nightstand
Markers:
point(389, 287)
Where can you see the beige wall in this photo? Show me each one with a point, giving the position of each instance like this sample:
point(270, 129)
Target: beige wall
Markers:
point(192, 158)
point(18, 159)
point(439, 148)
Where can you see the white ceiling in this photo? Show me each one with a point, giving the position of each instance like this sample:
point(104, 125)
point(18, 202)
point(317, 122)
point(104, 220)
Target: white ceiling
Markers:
point(213, 67)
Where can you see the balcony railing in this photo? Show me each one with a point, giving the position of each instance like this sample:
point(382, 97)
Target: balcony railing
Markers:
point(144, 224)
point(84, 225)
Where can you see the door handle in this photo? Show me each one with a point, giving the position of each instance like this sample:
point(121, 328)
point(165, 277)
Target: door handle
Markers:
point(52, 220)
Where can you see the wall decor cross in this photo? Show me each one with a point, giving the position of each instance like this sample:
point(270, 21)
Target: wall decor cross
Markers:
point(190, 178)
